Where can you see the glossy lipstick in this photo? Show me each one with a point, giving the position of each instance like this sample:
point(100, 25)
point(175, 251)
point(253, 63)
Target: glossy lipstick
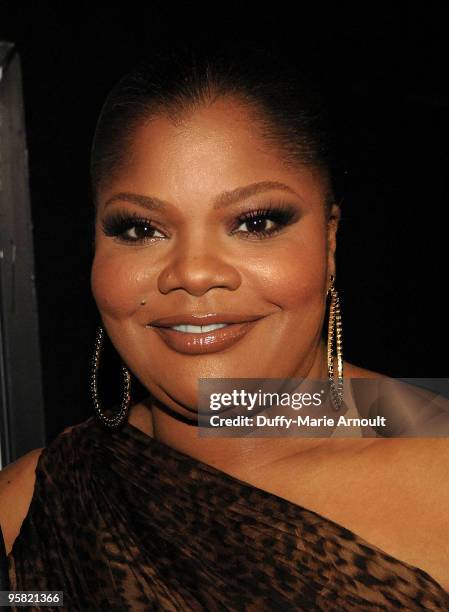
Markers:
point(192, 343)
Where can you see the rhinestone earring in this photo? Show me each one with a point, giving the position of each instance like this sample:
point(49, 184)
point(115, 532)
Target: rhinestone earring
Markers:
point(119, 418)
point(335, 347)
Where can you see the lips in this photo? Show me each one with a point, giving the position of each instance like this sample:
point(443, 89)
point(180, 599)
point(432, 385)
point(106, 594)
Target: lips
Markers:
point(203, 319)
point(238, 325)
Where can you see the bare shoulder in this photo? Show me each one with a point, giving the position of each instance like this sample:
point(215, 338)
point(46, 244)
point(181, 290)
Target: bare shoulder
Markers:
point(16, 490)
point(408, 493)
point(17, 482)
point(405, 493)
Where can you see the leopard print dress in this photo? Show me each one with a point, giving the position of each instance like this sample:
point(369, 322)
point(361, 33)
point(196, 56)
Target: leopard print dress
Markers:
point(121, 521)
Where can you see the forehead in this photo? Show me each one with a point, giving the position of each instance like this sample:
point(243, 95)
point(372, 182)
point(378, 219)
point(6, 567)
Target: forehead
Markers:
point(213, 148)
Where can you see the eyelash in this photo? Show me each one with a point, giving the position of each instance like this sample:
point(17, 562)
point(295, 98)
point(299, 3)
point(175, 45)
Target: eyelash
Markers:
point(117, 224)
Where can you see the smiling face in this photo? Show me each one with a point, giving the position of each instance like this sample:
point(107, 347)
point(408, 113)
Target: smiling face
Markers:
point(206, 243)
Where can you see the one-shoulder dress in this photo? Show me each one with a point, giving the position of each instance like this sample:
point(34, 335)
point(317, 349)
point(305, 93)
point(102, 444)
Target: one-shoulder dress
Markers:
point(121, 521)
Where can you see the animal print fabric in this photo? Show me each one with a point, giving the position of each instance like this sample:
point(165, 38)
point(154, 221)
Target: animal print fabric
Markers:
point(120, 521)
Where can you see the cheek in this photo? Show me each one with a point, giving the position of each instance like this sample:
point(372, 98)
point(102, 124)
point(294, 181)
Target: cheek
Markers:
point(295, 275)
point(115, 283)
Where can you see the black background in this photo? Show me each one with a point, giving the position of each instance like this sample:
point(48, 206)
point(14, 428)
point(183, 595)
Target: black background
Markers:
point(390, 92)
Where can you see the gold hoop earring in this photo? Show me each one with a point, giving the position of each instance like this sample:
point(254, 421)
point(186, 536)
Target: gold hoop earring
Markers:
point(335, 341)
point(119, 418)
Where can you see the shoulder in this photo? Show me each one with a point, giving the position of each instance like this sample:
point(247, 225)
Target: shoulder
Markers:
point(16, 490)
point(17, 482)
point(421, 488)
point(416, 469)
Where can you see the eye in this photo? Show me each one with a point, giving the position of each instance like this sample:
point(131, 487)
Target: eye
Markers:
point(259, 224)
point(263, 223)
point(130, 228)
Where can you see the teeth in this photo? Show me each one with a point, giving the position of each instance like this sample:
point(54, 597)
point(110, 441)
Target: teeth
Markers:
point(198, 329)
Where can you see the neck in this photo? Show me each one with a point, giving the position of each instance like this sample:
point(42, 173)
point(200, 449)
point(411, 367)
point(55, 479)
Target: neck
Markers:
point(241, 456)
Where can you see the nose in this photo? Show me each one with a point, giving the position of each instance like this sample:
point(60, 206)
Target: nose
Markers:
point(196, 269)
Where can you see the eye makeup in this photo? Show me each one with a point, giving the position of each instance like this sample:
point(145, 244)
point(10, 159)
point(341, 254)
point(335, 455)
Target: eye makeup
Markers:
point(281, 215)
point(118, 225)
point(131, 228)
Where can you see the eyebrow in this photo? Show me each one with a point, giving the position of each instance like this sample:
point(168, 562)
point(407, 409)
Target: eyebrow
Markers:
point(221, 201)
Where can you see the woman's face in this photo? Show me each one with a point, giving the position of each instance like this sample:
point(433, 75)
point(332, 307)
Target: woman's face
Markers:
point(201, 247)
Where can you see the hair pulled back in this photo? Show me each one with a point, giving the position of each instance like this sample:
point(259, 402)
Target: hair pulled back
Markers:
point(283, 97)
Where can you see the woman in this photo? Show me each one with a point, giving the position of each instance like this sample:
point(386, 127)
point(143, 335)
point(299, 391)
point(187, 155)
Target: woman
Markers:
point(215, 206)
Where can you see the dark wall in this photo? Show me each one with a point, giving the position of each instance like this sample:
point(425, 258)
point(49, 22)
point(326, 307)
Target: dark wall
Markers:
point(389, 87)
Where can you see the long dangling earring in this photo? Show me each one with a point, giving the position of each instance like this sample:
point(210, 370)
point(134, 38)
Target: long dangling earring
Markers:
point(335, 340)
point(119, 418)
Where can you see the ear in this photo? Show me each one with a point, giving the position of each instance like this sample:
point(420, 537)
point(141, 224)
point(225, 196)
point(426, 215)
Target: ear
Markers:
point(332, 227)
